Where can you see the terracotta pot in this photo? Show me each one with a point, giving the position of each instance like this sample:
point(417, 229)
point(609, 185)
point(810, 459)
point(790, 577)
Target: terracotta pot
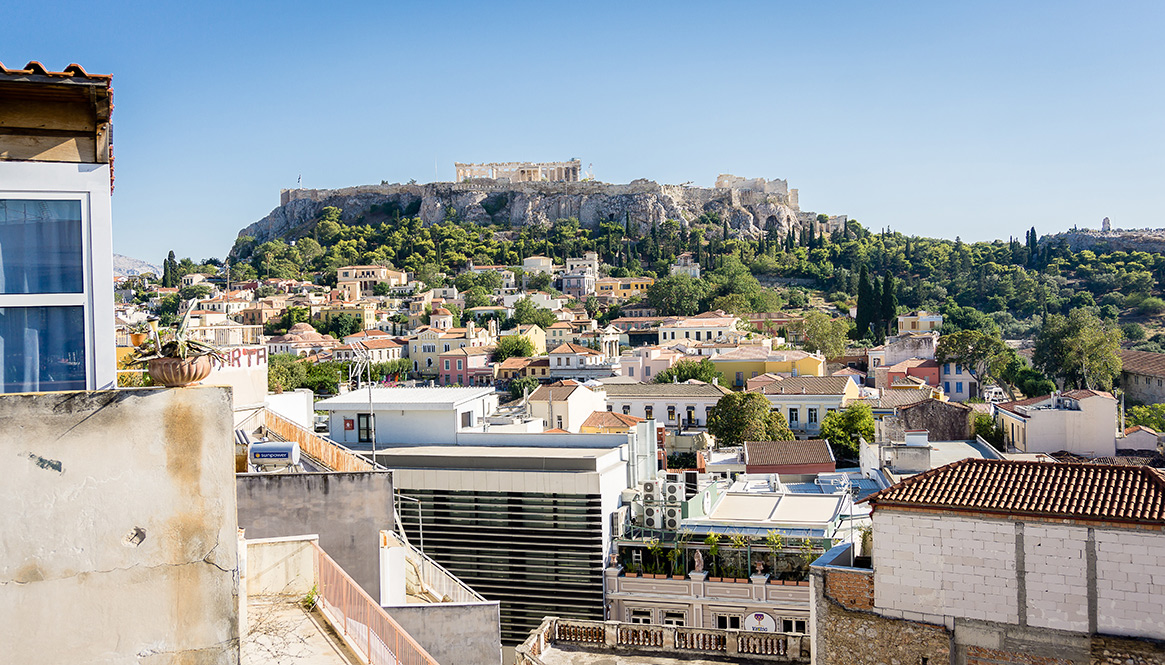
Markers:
point(678, 577)
point(137, 339)
point(176, 372)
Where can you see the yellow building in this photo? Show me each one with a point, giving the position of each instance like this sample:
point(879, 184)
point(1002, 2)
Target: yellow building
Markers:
point(365, 311)
point(623, 287)
point(747, 362)
point(920, 321)
point(534, 333)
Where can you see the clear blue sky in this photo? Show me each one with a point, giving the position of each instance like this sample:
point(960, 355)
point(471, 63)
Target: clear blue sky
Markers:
point(944, 119)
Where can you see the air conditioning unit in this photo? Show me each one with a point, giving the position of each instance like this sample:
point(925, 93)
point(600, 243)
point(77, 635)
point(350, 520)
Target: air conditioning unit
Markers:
point(619, 521)
point(650, 491)
point(673, 493)
point(671, 518)
point(653, 517)
point(673, 477)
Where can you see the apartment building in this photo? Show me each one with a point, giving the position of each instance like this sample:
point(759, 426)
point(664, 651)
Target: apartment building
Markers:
point(1082, 422)
point(804, 401)
point(356, 282)
point(683, 405)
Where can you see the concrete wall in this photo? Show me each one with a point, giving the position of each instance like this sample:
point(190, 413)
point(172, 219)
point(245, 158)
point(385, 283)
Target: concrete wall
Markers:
point(280, 566)
point(347, 510)
point(454, 634)
point(119, 543)
point(298, 406)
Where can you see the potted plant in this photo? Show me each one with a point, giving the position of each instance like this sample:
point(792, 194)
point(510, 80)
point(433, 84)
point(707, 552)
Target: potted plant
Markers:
point(740, 558)
point(713, 543)
point(178, 360)
point(139, 332)
point(655, 550)
point(675, 556)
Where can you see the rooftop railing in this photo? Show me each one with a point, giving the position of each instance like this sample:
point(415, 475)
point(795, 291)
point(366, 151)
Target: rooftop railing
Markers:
point(328, 453)
point(673, 641)
point(365, 626)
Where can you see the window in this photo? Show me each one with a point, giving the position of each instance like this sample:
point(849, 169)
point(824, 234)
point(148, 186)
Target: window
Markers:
point(947, 387)
point(630, 371)
point(363, 428)
point(647, 371)
point(947, 368)
point(673, 618)
point(447, 381)
point(647, 412)
point(639, 616)
point(42, 251)
point(558, 420)
point(958, 369)
point(740, 378)
point(728, 621)
point(610, 407)
point(792, 625)
point(697, 339)
point(691, 415)
point(446, 348)
point(446, 364)
point(626, 409)
point(794, 416)
point(687, 335)
point(671, 412)
point(467, 419)
point(958, 386)
point(459, 364)
point(811, 416)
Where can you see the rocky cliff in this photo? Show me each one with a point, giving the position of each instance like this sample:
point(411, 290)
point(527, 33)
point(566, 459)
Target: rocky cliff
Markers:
point(1117, 240)
point(484, 201)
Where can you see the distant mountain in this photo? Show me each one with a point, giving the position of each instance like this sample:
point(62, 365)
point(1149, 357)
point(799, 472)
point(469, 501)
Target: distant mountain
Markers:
point(125, 266)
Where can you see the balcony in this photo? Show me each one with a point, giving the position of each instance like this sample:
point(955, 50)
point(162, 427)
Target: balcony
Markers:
point(561, 641)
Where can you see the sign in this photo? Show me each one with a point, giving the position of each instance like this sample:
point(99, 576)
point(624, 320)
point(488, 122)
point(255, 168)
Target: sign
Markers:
point(760, 622)
point(245, 372)
point(349, 424)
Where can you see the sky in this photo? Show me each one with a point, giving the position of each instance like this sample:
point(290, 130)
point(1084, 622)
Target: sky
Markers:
point(970, 119)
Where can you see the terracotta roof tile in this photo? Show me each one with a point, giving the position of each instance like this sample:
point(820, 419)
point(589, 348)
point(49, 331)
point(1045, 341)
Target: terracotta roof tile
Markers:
point(765, 453)
point(1143, 362)
point(610, 419)
point(1037, 489)
point(575, 348)
point(807, 385)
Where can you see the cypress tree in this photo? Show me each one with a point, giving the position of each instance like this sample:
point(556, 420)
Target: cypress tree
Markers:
point(889, 301)
point(863, 313)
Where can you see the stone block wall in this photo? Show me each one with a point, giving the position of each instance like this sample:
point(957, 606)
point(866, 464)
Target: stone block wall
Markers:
point(1056, 576)
point(982, 656)
point(948, 566)
point(1118, 651)
point(1130, 583)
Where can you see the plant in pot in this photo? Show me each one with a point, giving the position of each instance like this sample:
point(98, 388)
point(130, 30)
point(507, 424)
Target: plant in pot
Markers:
point(176, 360)
point(655, 549)
point(139, 332)
point(740, 557)
point(713, 543)
point(675, 556)
point(775, 542)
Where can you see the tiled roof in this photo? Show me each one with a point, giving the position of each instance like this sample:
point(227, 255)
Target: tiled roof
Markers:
point(34, 68)
point(665, 390)
point(554, 392)
point(1038, 489)
point(514, 362)
point(610, 419)
point(765, 453)
point(807, 385)
point(1143, 362)
point(893, 399)
point(575, 348)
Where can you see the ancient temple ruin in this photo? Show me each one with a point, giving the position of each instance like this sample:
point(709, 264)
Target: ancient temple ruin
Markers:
point(521, 171)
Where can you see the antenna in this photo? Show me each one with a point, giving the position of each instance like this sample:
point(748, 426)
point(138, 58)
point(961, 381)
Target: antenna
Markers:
point(299, 181)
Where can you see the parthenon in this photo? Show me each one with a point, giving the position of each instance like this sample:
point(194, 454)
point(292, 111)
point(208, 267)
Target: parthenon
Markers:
point(522, 171)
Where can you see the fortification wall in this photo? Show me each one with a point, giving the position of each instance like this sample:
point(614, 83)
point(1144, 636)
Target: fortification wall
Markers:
point(641, 202)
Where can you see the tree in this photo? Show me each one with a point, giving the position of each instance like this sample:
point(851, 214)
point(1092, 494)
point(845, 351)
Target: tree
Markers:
point(381, 289)
point(170, 275)
point(826, 334)
point(285, 372)
point(983, 355)
point(677, 295)
point(342, 325)
point(844, 428)
point(865, 313)
point(193, 291)
point(889, 304)
point(992, 433)
point(1079, 350)
point(519, 386)
point(538, 282)
point(1149, 415)
point(392, 369)
point(513, 346)
point(527, 313)
point(702, 370)
point(324, 378)
point(740, 417)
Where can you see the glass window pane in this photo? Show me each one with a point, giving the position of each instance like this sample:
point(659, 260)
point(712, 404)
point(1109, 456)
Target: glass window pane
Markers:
point(40, 247)
point(42, 348)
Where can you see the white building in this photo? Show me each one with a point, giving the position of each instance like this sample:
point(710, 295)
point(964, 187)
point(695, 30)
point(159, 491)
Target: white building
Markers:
point(589, 263)
point(685, 265)
point(535, 264)
point(56, 241)
point(957, 382)
point(683, 405)
point(565, 405)
point(406, 416)
point(709, 326)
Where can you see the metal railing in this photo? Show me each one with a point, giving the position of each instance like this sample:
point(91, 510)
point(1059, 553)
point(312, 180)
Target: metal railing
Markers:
point(366, 627)
point(446, 586)
point(329, 453)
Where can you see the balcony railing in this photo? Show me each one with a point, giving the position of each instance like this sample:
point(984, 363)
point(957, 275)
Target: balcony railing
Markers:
point(366, 627)
point(664, 641)
point(328, 453)
point(444, 586)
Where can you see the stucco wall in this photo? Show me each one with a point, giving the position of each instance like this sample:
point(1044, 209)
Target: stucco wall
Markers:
point(454, 634)
point(119, 543)
point(347, 510)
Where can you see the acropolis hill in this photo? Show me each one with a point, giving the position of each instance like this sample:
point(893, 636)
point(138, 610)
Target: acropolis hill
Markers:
point(751, 206)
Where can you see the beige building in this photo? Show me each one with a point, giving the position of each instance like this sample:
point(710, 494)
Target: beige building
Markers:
point(364, 311)
point(565, 405)
point(357, 281)
point(709, 326)
point(1083, 422)
point(920, 321)
point(532, 332)
point(1143, 376)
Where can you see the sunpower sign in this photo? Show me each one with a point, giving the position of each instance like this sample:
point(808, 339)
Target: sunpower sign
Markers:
point(760, 622)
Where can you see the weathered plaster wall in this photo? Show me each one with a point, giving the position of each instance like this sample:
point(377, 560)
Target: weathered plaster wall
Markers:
point(347, 510)
point(454, 634)
point(119, 542)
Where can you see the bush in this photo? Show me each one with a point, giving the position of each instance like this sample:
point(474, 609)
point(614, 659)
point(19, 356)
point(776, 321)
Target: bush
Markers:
point(1151, 306)
point(1134, 332)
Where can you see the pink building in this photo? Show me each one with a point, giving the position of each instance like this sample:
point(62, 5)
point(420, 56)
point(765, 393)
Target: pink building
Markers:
point(467, 366)
point(643, 363)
